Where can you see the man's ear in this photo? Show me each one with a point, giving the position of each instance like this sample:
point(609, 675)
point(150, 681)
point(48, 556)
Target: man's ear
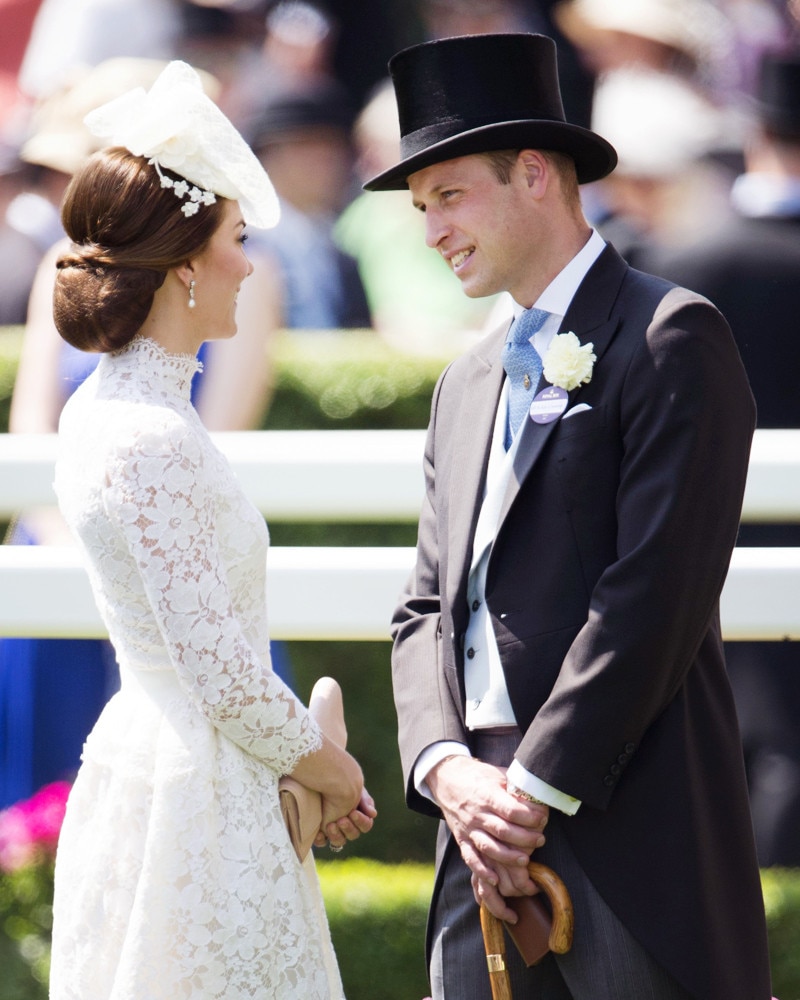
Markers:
point(536, 170)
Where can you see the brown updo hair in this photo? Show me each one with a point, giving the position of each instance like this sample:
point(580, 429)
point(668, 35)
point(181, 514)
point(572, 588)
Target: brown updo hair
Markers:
point(127, 232)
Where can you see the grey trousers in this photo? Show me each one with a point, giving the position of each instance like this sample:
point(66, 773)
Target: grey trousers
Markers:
point(605, 961)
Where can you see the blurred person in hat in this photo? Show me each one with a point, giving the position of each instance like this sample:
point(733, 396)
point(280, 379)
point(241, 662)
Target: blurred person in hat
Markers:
point(690, 38)
point(674, 146)
point(70, 37)
point(713, 44)
point(749, 266)
point(303, 138)
point(57, 144)
point(558, 669)
point(294, 52)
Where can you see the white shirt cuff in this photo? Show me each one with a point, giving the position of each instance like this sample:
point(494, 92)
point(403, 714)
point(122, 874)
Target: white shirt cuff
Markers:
point(430, 757)
point(527, 782)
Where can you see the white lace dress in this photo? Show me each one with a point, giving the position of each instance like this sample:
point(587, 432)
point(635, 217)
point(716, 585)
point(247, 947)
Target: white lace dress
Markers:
point(175, 877)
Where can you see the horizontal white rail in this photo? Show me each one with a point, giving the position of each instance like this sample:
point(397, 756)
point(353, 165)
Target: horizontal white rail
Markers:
point(359, 476)
point(288, 475)
point(312, 593)
point(350, 593)
point(363, 475)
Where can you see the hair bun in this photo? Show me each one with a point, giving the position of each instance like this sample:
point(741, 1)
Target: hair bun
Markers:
point(87, 257)
point(100, 304)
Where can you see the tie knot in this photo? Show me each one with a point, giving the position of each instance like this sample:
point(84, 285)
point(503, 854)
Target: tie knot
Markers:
point(528, 322)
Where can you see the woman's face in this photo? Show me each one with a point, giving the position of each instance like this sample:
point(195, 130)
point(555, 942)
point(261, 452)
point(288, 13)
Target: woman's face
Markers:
point(218, 274)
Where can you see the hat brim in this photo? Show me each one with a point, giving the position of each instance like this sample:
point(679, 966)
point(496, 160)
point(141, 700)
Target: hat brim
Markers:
point(594, 157)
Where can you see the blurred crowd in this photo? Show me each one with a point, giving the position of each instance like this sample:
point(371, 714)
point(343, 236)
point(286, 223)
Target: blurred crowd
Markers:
point(669, 82)
point(701, 99)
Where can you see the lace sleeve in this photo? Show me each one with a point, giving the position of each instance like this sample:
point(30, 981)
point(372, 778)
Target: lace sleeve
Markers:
point(158, 493)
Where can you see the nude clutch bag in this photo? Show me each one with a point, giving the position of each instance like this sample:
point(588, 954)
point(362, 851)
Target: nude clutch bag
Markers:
point(301, 807)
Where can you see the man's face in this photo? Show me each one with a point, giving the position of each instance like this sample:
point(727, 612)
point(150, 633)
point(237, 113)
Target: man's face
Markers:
point(480, 226)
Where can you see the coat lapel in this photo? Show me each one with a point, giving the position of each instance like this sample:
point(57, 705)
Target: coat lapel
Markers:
point(472, 439)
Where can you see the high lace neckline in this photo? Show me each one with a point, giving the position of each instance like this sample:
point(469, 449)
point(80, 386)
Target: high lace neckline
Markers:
point(174, 372)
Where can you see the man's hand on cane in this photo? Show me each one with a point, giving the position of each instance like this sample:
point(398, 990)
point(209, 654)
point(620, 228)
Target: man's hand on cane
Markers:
point(496, 832)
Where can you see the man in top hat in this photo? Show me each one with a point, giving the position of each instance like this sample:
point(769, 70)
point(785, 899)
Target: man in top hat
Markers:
point(558, 666)
point(749, 266)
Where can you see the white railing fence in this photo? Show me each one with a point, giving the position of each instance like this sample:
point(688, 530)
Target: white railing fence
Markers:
point(349, 592)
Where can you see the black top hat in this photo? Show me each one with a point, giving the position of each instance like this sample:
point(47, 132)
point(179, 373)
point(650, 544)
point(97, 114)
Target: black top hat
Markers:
point(477, 93)
point(778, 94)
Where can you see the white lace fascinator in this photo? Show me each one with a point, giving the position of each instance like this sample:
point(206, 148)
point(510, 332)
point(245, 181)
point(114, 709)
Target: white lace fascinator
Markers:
point(177, 127)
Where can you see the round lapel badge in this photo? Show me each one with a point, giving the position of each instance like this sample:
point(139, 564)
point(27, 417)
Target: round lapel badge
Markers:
point(548, 405)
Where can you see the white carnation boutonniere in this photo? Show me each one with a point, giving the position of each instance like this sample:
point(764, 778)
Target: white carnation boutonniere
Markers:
point(569, 363)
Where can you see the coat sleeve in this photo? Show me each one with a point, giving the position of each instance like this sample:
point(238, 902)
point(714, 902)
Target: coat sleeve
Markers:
point(686, 418)
point(425, 708)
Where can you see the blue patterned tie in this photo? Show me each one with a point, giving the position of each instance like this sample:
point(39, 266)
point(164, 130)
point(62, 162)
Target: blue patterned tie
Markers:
point(523, 366)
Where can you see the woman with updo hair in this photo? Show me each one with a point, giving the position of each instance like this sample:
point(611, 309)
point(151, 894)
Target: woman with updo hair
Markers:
point(119, 219)
point(175, 872)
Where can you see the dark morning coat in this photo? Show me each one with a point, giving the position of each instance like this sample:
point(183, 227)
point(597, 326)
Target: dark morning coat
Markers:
point(603, 587)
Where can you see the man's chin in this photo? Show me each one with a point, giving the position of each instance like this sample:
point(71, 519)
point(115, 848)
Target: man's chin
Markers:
point(475, 291)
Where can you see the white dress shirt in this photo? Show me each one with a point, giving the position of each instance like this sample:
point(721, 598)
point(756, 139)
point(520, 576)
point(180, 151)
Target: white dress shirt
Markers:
point(488, 705)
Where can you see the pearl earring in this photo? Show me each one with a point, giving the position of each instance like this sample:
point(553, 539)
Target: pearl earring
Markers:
point(192, 302)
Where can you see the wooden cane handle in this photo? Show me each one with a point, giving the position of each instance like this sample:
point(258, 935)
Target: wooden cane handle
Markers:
point(560, 939)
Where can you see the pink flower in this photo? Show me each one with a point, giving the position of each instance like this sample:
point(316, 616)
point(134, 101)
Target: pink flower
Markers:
point(31, 828)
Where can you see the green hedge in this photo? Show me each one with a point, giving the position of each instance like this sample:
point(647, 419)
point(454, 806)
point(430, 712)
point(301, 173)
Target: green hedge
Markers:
point(348, 380)
point(10, 343)
point(377, 915)
point(782, 901)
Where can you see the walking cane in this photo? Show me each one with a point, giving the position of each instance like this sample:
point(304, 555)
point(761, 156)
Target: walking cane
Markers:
point(558, 940)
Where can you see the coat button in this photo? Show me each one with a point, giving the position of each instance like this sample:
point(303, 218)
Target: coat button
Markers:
point(470, 653)
point(609, 780)
point(476, 605)
point(615, 769)
point(630, 747)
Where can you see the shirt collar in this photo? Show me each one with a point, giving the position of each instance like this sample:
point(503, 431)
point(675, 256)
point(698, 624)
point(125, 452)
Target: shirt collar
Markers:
point(559, 293)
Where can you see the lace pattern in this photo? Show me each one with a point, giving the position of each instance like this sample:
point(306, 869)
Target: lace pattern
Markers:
point(175, 877)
